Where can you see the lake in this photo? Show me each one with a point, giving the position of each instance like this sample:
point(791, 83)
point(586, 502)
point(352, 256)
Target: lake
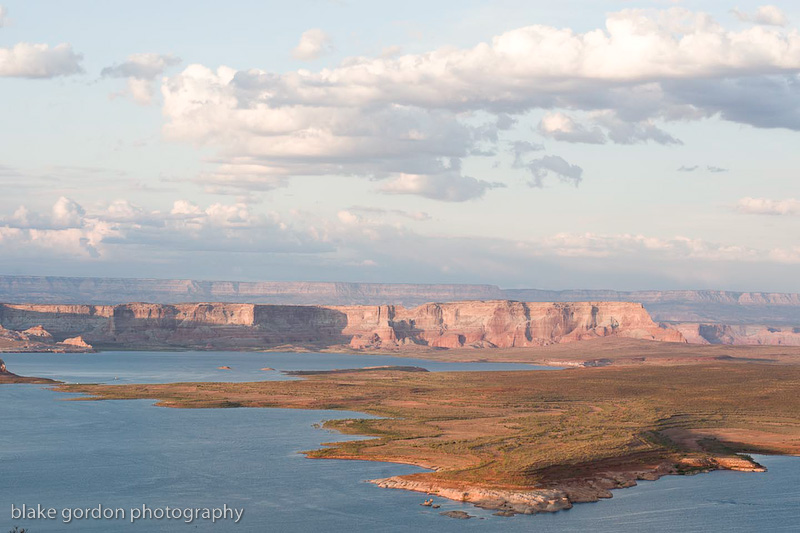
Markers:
point(125, 454)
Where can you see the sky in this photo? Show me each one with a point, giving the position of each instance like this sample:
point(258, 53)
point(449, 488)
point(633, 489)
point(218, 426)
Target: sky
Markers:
point(574, 144)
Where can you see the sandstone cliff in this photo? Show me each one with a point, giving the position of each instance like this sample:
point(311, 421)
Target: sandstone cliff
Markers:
point(494, 323)
point(672, 306)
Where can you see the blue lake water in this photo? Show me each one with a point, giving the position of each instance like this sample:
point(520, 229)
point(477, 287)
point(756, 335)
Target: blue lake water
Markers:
point(170, 367)
point(123, 454)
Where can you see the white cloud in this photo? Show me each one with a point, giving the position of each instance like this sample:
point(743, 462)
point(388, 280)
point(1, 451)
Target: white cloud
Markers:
point(562, 127)
point(767, 15)
point(764, 206)
point(67, 213)
point(147, 66)
point(121, 227)
point(554, 165)
point(631, 245)
point(26, 60)
point(192, 237)
point(447, 186)
point(3, 16)
point(418, 216)
point(141, 70)
point(313, 43)
point(631, 132)
point(416, 114)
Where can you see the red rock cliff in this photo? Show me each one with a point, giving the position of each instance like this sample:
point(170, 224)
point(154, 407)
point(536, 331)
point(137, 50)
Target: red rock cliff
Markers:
point(494, 323)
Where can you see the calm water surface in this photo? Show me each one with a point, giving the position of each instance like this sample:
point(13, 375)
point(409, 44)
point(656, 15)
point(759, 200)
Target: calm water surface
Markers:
point(128, 453)
point(168, 367)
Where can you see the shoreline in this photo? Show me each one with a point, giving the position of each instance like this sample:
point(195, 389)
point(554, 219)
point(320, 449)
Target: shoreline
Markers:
point(7, 378)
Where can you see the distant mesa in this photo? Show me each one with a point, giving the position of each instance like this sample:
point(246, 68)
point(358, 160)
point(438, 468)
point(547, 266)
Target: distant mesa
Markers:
point(702, 306)
point(227, 326)
point(474, 324)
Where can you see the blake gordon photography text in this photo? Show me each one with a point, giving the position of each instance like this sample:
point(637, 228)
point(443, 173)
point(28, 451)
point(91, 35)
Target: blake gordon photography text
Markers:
point(69, 515)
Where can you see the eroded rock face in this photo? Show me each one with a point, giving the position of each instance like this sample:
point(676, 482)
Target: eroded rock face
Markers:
point(501, 324)
point(480, 324)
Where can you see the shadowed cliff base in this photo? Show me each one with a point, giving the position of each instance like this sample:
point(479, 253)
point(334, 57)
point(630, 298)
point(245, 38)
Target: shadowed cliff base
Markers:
point(527, 441)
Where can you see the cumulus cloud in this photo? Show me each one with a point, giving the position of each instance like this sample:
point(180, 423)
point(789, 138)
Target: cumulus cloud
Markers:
point(141, 70)
point(562, 127)
point(27, 60)
point(390, 117)
point(67, 213)
point(141, 66)
point(190, 238)
point(765, 206)
point(767, 15)
point(313, 43)
point(448, 186)
point(120, 228)
point(553, 165)
point(37, 60)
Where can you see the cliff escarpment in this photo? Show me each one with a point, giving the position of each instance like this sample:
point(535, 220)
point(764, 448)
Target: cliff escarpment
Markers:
point(707, 306)
point(479, 324)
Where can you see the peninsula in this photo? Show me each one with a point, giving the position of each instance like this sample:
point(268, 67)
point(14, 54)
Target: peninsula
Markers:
point(532, 441)
point(8, 377)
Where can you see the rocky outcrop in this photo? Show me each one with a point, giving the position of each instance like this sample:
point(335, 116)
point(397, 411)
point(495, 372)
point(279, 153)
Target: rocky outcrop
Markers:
point(38, 339)
point(479, 324)
point(522, 502)
point(559, 495)
point(76, 341)
point(739, 334)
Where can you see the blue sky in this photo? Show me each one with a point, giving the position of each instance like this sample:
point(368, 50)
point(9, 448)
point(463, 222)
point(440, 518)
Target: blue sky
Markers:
point(583, 144)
